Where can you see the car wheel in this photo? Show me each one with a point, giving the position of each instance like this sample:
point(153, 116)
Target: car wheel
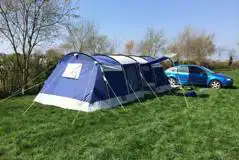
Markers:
point(215, 84)
point(172, 81)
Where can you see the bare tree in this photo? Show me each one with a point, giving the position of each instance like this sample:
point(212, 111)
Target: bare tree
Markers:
point(99, 44)
point(193, 45)
point(129, 46)
point(85, 37)
point(112, 48)
point(78, 36)
point(26, 24)
point(152, 43)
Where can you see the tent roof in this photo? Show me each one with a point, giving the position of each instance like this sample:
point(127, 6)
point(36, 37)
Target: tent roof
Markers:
point(123, 59)
point(107, 62)
point(161, 59)
point(83, 56)
point(105, 59)
point(139, 59)
point(114, 59)
point(148, 58)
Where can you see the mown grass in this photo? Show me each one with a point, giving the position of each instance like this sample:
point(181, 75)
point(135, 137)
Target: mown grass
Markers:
point(163, 128)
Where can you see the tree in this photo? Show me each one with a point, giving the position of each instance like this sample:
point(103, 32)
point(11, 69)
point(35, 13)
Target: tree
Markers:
point(85, 37)
point(79, 35)
point(9, 74)
point(41, 62)
point(152, 43)
point(26, 24)
point(112, 48)
point(193, 45)
point(129, 46)
point(99, 44)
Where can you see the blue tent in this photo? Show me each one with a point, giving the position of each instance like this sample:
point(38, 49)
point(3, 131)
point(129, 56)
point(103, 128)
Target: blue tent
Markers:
point(87, 83)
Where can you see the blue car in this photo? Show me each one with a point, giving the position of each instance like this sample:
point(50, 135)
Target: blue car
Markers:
point(197, 75)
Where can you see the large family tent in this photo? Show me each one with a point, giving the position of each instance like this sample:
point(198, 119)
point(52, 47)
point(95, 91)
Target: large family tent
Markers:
point(87, 83)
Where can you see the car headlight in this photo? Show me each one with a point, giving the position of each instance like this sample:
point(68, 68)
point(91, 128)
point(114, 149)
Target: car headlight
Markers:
point(229, 79)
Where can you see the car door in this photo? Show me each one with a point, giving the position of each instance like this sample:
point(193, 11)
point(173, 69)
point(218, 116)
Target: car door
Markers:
point(197, 76)
point(182, 75)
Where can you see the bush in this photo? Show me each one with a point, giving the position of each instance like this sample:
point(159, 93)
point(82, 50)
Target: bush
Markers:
point(41, 68)
point(224, 65)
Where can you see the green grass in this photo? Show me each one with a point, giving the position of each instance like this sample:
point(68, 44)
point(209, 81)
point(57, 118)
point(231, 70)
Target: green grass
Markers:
point(164, 128)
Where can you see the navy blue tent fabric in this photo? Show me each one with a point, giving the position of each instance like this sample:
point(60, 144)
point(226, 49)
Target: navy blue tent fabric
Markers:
point(147, 73)
point(146, 70)
point(100, 91)
point(117, 83)
point(161, 78)
point(133, 77)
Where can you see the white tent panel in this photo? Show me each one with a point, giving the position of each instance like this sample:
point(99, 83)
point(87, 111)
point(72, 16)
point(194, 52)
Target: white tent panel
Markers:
point(123, 59)
point(139, 60)
point(112, 68)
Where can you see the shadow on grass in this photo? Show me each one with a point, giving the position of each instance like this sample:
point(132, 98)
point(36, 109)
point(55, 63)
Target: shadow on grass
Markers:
point(167, 93)
point(146, 98)
point(150, 97)
point(187, 94)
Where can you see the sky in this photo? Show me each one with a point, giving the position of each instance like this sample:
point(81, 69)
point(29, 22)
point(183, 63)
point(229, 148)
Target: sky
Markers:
point(124, 20)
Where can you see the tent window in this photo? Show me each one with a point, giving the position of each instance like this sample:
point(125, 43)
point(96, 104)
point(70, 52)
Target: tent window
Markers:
point(72, 70)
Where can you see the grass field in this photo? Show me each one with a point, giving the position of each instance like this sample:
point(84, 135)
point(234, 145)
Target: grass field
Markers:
point(164, 128)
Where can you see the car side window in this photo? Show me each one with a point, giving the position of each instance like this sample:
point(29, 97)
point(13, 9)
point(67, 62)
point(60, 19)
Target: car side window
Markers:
point(195, 70)
point(183, 69)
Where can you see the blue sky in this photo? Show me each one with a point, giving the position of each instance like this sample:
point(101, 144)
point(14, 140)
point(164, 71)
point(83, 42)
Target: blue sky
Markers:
point(124, 20)
point(129, 19)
